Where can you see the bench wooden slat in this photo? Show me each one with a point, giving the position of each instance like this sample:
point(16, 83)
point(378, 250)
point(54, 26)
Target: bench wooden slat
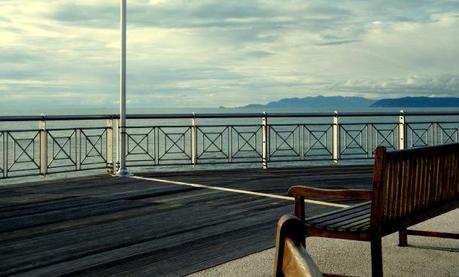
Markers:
point(351, 225)
point(343, 218)
point(340, 213)
point(339, 218)
point(413, 183)
point(361, 227)
point(357, 226)
point(354, 218)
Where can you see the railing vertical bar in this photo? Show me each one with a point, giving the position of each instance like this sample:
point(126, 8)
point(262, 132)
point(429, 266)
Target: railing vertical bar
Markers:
point(230, 144)
point(109, 146)
point(368, 148)
point(79, 147)
point(156, 145)
point(117, 142)
point(301, 141)
point(268, 143)
point(194, 141)
point(43, 146)
point(5, 153)
point(434, 133)
point(402, 131)
point(441, 136)
point(308, 140)
point(73, 149)
point(264, 140)
point(336, 138)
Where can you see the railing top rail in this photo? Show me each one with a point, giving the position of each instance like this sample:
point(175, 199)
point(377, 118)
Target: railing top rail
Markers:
point(222, 115)
point(57, 117)
point(286, 115)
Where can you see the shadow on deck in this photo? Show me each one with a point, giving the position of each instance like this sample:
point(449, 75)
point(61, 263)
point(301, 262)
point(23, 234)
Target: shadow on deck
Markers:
point(161, 224)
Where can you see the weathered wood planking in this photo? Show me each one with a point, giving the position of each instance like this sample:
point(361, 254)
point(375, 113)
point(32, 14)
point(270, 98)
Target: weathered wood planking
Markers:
point(119, 226)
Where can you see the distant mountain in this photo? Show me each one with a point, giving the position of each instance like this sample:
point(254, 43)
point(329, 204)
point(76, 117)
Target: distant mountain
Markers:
point(318, 101)
point(418, 102)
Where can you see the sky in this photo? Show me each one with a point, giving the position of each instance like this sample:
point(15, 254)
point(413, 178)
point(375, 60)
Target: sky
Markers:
point(211, 53)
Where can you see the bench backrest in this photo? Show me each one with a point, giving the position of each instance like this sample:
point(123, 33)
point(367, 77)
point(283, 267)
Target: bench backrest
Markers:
point(409, 182)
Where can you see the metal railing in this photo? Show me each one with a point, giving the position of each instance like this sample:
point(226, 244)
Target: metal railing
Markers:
point(206, 139)
point(28, 151)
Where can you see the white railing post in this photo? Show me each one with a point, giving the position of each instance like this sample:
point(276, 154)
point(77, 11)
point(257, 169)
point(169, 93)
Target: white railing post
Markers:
point(43, 146)
point(78, 148)
point(264, 140)
point(301, 141)
point(401, 131)
point(335, 138)
point(117, 142)
point(109, 148)
point(435, 139)
point(230, 144)
point(194, 141)
point(5, 154)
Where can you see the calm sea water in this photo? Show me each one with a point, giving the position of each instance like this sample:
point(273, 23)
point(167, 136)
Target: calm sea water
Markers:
point(6, 111)
point(186, 122)
point(78, 110)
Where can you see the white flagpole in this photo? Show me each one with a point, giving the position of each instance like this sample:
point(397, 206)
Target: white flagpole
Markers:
point(122, 128)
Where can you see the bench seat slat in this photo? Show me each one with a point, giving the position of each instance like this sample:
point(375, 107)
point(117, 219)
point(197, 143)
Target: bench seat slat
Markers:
point(358, 223)
point(356, 218)
point(339, 219)
point(345, 211)
point(364, 226)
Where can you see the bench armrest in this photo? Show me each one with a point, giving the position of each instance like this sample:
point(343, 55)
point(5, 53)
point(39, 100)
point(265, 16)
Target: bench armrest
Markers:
point(291, 258)
point(303, 191)
point(300, 192)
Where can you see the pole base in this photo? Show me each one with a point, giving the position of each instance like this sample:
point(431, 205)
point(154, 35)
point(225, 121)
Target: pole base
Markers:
point(123, 172)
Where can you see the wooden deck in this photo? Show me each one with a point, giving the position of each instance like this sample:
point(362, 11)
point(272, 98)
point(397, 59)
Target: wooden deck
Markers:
point(127, 226)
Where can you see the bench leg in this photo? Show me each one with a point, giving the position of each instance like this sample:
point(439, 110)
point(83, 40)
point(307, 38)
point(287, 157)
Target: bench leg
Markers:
point(402, 237)
point(376, 257)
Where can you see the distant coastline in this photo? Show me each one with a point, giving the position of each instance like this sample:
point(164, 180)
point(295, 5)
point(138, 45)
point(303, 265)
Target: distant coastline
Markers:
point(433, 102)
point(335, 102)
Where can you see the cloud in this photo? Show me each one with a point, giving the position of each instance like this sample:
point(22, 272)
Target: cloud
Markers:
point(212, 53)
point(338, 42)
point(446, 85)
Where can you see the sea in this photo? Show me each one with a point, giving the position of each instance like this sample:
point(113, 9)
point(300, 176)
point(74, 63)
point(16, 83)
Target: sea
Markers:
point(451, 121)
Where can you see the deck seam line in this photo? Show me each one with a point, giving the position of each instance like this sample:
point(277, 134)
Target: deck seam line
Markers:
point(262, 194)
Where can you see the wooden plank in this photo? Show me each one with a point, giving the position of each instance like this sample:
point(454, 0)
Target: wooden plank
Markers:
point(167, 257)
point(344, 219)
point(105, 225)
point(75, 244)
point(27, 221)
point(333, 212)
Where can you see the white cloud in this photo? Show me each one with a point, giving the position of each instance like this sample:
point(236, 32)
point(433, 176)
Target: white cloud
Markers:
point(181, 52)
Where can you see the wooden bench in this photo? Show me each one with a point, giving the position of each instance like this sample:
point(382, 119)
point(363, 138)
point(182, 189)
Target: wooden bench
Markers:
point(409, 186)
